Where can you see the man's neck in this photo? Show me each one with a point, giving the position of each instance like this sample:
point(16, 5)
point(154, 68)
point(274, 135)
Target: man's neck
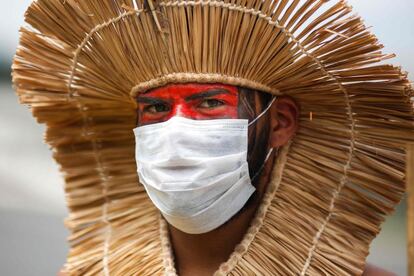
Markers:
point(202, 254)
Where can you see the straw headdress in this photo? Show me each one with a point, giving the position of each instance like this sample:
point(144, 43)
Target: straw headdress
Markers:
point(81, 63)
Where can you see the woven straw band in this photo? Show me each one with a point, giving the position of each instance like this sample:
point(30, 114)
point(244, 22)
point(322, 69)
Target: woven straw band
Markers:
point(200, 78)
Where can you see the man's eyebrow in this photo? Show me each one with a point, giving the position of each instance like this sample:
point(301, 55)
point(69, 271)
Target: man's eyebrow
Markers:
point(151, 100)
point(208, 93)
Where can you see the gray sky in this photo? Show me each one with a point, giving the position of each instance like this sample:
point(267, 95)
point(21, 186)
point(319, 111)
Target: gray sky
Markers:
point(392, 21)
point(11, 17)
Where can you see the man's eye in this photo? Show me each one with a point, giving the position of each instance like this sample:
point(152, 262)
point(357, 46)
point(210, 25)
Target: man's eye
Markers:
point(157, 108)
point(211, 103)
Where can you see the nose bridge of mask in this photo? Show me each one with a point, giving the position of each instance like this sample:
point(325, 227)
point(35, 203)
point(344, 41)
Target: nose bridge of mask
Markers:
point(184, 138)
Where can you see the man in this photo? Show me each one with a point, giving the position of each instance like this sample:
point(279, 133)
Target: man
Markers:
point(246, 182)
point(202, 254)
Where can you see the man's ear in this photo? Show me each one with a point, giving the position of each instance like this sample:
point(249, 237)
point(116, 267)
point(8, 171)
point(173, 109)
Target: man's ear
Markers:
point(284, 121)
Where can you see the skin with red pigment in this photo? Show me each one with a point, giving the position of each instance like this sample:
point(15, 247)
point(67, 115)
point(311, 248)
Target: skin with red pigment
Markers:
point(192, 101)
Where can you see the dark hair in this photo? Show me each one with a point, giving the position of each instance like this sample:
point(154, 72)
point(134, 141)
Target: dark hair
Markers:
point(251, 104)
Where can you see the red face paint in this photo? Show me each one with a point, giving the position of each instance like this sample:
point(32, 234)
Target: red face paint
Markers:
point(192, 101)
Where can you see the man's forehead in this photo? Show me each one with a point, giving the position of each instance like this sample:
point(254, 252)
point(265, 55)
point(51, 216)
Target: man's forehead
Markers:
point(188, 89)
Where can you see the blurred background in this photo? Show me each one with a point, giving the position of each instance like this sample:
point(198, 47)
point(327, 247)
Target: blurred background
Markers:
point(32, 203)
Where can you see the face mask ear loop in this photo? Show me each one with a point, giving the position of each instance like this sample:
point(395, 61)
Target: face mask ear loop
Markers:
point(263, 165)
point(264, 112)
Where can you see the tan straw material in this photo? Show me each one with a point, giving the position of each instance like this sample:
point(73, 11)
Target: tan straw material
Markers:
point(81, 63)
point(410, 205)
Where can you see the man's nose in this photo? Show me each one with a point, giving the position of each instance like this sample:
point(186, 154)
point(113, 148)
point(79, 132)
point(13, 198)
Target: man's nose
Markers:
point(181, 110)
point(178, 110)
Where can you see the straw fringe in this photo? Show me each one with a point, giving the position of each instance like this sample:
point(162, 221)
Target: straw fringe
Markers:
point(410, 207)
point(344, 173)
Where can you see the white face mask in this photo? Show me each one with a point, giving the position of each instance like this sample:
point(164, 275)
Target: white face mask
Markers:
point(195, 171)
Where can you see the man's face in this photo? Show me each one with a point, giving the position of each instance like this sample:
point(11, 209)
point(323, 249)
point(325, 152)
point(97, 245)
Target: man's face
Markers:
point(192, 101)
point(206, 102)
